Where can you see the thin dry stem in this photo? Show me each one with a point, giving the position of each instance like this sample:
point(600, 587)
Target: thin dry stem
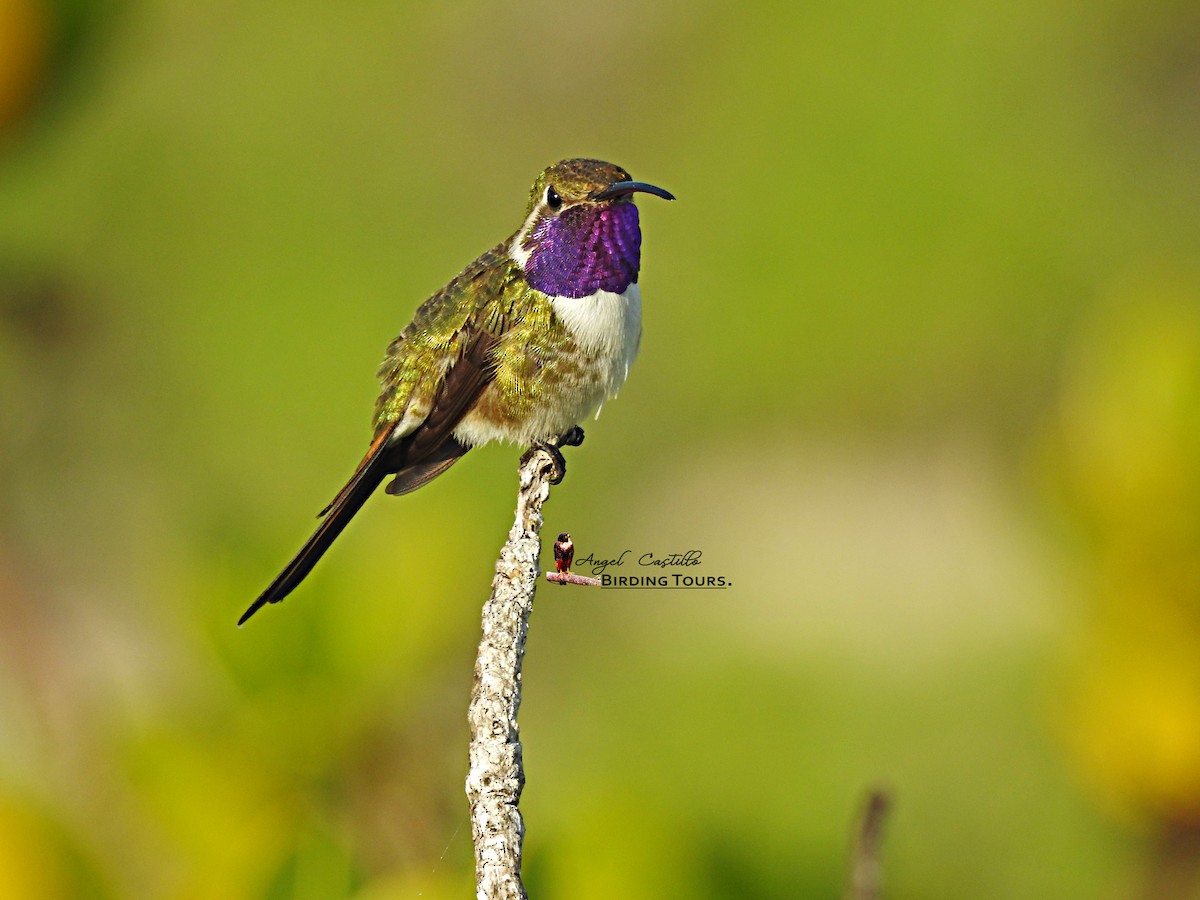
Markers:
point(572, 578)
point(865, 871)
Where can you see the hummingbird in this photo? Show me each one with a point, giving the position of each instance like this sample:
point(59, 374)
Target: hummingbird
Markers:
point(520, 346)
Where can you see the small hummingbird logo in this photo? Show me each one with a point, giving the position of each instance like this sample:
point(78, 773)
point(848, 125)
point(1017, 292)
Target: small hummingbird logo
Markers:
point(524, 343)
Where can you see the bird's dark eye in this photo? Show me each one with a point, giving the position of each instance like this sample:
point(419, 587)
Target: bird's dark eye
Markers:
point(552, 199)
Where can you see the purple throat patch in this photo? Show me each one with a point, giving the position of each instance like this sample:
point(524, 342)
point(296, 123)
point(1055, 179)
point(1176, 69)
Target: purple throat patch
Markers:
point(584, 250)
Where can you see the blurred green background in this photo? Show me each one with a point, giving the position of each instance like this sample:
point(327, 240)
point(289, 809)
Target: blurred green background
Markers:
point(920, 375)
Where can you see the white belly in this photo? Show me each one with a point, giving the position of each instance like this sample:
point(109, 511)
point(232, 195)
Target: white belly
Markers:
point(607, 328)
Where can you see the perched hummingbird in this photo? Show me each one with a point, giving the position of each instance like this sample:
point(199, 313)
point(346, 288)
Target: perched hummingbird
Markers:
point(520, 346)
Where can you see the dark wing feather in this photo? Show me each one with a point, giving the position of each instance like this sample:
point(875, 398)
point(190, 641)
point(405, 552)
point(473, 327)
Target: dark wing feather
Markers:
point(371, 471)
point(432, 448)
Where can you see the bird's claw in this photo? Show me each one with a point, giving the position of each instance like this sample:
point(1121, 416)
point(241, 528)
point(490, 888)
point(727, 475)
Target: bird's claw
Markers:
point(572, 438)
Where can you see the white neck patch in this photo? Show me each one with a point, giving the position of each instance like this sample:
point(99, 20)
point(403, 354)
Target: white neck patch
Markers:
point(515, 250)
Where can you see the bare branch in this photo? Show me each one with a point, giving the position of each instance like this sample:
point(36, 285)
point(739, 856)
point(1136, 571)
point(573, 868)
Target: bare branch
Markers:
point(497, 775)
point(572, 578)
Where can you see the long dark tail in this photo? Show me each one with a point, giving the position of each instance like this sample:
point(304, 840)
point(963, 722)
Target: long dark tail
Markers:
point(371, 471)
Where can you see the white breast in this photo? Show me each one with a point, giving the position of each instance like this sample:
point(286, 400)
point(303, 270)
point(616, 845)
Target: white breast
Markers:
point(607, 326)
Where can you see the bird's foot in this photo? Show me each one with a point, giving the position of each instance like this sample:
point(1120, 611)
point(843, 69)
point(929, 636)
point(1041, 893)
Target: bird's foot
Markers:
point(572, 438)
point(558, 465)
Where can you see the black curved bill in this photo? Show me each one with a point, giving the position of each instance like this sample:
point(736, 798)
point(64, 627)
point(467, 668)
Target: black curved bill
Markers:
point(621, 188)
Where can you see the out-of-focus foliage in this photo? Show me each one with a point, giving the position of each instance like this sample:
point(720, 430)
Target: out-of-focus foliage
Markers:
point(919, 377)
point(22, 54)
point(1127, 449)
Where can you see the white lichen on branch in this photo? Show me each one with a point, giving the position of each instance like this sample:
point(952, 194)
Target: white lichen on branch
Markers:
point(497, 775)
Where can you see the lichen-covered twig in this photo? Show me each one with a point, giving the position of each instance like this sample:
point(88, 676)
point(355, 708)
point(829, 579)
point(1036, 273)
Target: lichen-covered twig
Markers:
point(497, 775)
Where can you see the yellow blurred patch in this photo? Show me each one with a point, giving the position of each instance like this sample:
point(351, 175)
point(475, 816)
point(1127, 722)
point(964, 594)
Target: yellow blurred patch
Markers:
point(1136, 732)
point(1128, 453)
point(30, 859)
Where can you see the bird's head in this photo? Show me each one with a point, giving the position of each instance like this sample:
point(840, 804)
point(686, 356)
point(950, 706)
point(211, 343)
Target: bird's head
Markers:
point(581, 232)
